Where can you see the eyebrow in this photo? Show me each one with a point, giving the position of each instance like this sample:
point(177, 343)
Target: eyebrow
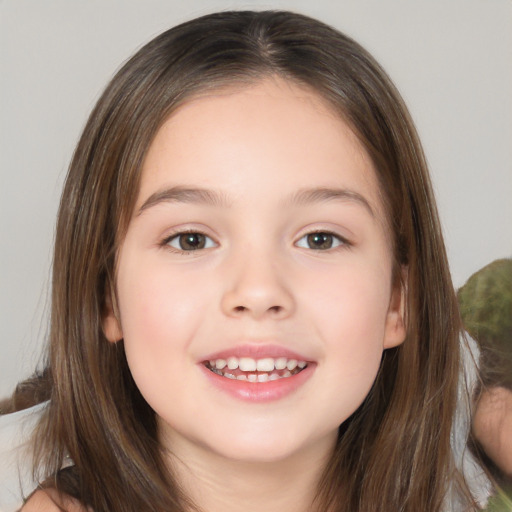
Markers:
point(180, 194)
point(325, 194)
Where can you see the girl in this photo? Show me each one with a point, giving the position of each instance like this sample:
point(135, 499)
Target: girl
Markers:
point(251, 302)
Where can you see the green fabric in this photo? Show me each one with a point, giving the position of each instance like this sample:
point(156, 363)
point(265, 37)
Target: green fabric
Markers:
point(486, 308)
point(501, 502)
point(486, 303)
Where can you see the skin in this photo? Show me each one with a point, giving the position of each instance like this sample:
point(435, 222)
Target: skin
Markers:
point(49, 500)
point(492, 426)
point(257, 282)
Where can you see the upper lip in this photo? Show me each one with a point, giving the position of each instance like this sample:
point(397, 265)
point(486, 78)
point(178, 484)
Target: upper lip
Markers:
point(256, 351)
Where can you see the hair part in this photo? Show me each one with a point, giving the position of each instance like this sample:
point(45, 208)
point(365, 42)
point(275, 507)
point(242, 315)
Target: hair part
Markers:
point(394, 452)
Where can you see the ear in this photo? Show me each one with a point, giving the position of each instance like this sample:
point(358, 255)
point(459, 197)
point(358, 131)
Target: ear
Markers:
point(396, 329)
point(110, 323)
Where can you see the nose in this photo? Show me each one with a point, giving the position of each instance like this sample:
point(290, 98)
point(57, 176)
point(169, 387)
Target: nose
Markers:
point(255, 288)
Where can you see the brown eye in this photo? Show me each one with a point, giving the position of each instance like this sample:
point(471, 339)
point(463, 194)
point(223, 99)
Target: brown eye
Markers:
point(320, 241)
point(190, 241)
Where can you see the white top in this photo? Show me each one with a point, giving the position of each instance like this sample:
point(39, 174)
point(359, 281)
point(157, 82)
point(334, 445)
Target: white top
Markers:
point(16, 480)
point(475, 476)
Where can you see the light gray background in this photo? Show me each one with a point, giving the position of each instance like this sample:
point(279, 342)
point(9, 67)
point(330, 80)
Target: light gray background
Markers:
point(451, 59)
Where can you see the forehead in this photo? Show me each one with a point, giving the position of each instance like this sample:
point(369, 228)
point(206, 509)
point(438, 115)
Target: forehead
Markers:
point(272, 129)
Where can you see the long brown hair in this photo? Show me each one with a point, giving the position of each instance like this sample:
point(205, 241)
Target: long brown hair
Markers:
point(394, 452)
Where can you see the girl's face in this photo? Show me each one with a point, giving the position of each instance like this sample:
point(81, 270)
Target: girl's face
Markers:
point(258, 252)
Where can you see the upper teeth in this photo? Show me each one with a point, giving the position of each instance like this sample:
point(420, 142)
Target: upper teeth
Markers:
point(248, 364)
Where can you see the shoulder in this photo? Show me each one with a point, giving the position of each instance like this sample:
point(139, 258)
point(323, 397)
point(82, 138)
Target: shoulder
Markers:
point(15, 456)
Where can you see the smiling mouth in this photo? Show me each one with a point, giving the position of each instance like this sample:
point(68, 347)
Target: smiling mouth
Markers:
point(256, 370)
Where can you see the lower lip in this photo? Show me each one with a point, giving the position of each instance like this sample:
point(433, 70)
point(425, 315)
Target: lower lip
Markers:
point(259, 391)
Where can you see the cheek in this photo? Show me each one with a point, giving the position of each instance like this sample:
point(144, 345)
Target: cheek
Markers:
point(159, 318)
point(154, 299)
point(350, 303)
point(349, 311)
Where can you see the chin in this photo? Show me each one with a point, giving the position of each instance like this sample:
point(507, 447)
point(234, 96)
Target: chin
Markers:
point(264, 447)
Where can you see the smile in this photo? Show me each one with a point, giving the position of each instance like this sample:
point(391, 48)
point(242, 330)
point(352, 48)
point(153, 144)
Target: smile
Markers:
point(256, 370)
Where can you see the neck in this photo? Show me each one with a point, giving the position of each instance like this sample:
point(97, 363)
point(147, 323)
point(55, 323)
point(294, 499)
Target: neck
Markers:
point(216, 484)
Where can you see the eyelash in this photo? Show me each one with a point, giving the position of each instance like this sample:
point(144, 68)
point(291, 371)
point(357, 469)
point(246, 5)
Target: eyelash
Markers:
point(337, 241)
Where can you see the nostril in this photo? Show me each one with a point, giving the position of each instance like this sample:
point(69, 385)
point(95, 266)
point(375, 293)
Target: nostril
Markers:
point(271, 309)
